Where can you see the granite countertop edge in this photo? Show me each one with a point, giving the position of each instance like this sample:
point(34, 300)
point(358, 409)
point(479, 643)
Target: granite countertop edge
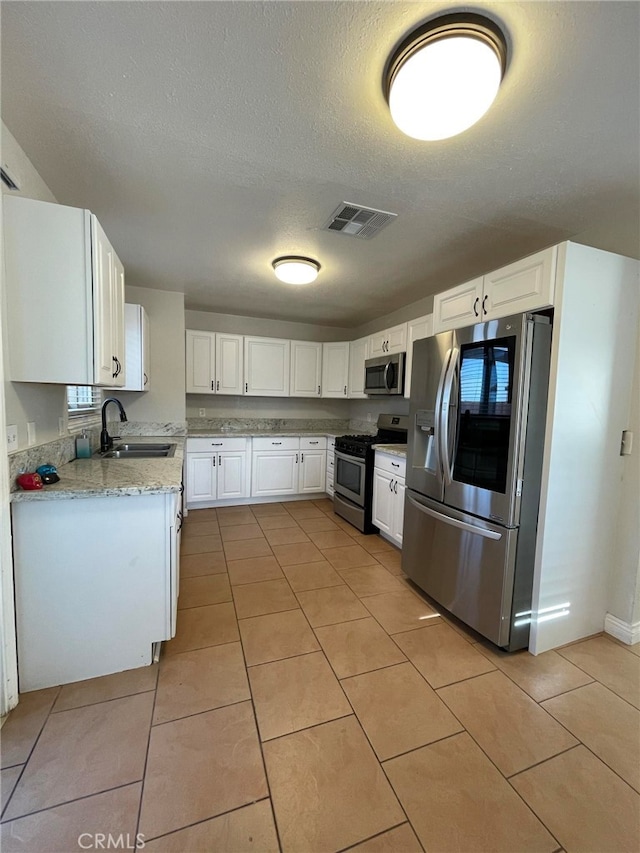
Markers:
point(96, 477)
point(260, 433)
point(392, 449)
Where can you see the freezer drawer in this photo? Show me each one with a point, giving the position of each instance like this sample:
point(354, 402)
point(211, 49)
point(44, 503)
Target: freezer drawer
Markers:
point(465, 564)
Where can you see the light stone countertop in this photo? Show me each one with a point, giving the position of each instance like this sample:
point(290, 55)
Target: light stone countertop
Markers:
point(96, 477)
point(392, 449)
point(260, 433)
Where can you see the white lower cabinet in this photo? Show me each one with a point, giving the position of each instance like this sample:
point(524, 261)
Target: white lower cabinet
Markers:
point(97, 600)
point(287, 465)
point(331, 447)
point(217, 469)
point(388, 495)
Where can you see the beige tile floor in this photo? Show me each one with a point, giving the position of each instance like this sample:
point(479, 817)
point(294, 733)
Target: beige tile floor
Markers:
point(314, 700)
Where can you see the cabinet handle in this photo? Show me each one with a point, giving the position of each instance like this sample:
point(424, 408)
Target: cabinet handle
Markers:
point(475, 306)
point(212, 386)
point(396, 464)
point(302, 457)
point(276, 442)
point(296, 458)
point(318, 389)
point(213, 459)
point(484, 307)
point(390, 485)
point(220, 460)
point(146, 378)
point(217, 385)
point(246, 387)
point(115, 373)
point(216, 444)
point(313, 442)
point(395, 488)
point(181, 520)
point(345, 389)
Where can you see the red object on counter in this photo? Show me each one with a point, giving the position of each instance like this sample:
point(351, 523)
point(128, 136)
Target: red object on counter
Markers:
point(29, 482)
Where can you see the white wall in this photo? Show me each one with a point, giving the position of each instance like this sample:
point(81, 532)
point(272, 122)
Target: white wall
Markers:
point(165, 401)
point(208, 321)
point(25, 401)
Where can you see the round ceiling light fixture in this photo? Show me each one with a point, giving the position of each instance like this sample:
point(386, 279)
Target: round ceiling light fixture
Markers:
point(296, 270)
point(445, 75)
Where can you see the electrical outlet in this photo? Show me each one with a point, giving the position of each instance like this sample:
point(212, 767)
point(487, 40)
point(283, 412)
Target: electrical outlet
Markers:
point(31, 433)
point(62, 427)
point(202, 413)
point(12, 437)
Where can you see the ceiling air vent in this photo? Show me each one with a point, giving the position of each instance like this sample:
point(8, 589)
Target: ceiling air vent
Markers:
point(7, 180)
point(357, 221)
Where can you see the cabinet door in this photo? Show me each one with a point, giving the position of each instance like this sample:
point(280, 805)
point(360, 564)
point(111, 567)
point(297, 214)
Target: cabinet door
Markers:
point(200, 362)
point(136, 348)
point(458, 307)
point(377, 344)
point(229, 363)
point(522, 286)
point(232, 471)
point(416, 329)
point(358, 352)
point(313, 469)
point(335, 369)
point(266, 367)
point(105, 368)
point(274, 472)
point(397, 338)
point(306, 369)
point(146, 351)
point(117, 321)
point(398, 510)
point(201, 477)
point(383, 500)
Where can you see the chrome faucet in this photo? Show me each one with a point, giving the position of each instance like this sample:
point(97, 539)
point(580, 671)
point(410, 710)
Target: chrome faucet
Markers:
point(106, 440)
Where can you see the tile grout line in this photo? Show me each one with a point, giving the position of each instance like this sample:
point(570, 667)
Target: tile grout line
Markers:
point(205, 820)
point(146, 755)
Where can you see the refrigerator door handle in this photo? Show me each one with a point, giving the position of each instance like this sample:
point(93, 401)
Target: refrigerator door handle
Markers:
point(461, 525)
point(446, 452)
point(437, 429)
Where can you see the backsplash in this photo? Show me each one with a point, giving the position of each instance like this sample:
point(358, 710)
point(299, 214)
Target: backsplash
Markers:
point(269, 424)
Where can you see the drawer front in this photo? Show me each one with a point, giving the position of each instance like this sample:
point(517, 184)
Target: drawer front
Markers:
point(396, 465)
point(331, 443)
point(215, 445)
point(277, 442)
point(330, 463)
point(313, 443)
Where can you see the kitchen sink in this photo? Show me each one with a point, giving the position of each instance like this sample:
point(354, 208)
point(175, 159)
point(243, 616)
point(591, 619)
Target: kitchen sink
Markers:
point(139, 451)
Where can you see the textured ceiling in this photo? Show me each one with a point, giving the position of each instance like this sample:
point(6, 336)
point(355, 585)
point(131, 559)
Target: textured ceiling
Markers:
point(212, 137)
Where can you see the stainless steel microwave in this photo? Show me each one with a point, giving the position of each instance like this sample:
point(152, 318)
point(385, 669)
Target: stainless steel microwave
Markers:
point(384, 374)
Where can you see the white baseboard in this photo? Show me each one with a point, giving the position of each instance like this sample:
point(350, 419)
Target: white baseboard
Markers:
point(624, 631)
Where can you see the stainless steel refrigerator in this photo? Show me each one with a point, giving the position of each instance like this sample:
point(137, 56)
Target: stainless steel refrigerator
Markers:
point(474, 461)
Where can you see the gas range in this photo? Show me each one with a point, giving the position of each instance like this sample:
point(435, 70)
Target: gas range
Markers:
point(354, 461)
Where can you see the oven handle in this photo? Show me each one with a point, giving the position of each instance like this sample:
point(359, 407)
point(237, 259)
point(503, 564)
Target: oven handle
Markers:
point(461, 525)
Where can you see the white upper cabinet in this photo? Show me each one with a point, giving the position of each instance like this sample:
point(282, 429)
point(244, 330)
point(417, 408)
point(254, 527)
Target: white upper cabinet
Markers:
point(306, 369)
point(416, 329)
point(358, 352)
point(266, 367)
point(200, 362)
point(388, 341)
point(214, 363)
point(335, 369)
point(137, 371)
point(522, 286)
point(229, 360)
point(525, 285)
point(65, 286)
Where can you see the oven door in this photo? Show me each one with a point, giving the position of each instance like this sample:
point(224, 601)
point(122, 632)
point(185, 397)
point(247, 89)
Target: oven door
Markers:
point(349, 477)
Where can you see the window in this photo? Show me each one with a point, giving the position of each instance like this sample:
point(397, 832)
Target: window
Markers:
point(83, 405)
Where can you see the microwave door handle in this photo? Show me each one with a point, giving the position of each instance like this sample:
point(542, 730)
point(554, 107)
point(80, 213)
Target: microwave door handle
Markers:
point(445, 415)
point(386, 375)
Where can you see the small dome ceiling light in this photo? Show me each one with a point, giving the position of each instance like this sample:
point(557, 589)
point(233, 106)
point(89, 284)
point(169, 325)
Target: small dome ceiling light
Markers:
point(295, 270)
point(445, 75)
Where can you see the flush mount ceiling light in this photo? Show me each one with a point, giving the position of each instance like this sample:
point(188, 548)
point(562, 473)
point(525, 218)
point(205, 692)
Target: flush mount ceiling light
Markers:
point(445, 75)
point(295, 270)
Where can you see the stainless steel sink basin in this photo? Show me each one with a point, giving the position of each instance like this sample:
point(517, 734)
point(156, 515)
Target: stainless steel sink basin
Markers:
point(139, 451)
point(140, 445)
